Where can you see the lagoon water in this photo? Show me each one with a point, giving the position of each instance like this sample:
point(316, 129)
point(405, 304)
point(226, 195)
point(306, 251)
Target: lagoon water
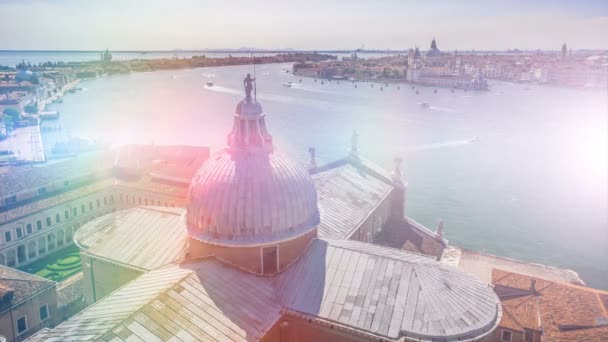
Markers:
point(519, 171)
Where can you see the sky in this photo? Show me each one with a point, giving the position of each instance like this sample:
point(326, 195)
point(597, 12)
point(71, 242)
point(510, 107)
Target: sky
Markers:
point(302, 24)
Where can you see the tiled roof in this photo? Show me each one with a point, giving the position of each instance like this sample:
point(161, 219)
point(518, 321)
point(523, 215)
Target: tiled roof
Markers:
point(143, 237)
point(347, 193)
point(32, 177)
point(24, 285)
point(52, 201)
point(564, 312)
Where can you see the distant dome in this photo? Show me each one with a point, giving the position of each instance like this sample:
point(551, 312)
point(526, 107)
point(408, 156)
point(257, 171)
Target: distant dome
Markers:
point(23, 75)
point(249, 193)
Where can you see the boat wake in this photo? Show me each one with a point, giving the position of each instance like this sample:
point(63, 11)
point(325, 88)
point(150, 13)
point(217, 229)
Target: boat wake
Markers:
point(224, 90)
point(442, 109)
point(434, 146)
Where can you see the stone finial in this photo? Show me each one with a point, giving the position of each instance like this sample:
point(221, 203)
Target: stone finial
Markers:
point(439, 231)
point(312, 163)
point(397, 169)
point(354, 143)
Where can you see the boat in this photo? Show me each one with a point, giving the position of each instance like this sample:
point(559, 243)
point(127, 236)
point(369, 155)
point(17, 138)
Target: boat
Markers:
point(287, 84)
point(424, 105)
point(209, 84)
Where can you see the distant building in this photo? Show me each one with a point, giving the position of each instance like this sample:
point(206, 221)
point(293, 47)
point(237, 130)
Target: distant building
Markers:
point(28, 303)
point(564, 51)
point(105, 56)
point(433, 51)
point(41, 208)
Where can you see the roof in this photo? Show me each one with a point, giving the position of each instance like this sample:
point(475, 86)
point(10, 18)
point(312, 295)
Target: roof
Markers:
point(251, 198)
point(52, 201)
point(142, 237)
point(481, 265)
point(388, 292)
point(170, 163)
point(23, 285)
point(196, 301)
point(347, 193)
point(564, 312)
point(361, 287)
point(410, 235)
point(30, 177)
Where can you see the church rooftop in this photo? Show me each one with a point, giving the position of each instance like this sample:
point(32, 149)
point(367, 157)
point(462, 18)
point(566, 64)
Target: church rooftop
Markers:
point(358, 287)
point(141, 237)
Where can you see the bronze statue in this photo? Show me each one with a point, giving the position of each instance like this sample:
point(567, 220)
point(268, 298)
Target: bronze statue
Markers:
point(248, 83)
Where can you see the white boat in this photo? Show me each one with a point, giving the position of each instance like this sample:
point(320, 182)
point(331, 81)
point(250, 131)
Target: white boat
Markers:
point(288, 84)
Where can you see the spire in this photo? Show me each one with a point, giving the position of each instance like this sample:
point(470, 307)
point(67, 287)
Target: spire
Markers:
point(354, 144)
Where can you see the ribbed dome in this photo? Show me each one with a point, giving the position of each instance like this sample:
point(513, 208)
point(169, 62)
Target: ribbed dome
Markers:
point(241, 198)
point(250, 194)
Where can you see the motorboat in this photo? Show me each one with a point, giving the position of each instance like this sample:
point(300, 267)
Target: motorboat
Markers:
point(424, 105)
point(288, 84)
point(209, 84)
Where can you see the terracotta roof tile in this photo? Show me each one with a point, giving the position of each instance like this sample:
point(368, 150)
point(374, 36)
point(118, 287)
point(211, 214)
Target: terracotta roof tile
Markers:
point(567, 312)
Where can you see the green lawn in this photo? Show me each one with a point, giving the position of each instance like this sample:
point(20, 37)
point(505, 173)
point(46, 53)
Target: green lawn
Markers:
point(57, 266)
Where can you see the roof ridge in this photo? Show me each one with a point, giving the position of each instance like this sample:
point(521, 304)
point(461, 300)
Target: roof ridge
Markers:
point(330, 241)
point(553, 282)
point(513, 317)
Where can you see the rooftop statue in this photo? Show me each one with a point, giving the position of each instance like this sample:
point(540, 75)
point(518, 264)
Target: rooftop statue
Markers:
point(248, 83)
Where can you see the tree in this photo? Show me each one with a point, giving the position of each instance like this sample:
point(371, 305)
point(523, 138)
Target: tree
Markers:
point(31, 108)
point(12, 112)
point(10, 117)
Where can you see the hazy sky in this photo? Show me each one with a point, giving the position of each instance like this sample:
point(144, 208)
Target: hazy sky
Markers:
point(302, 24)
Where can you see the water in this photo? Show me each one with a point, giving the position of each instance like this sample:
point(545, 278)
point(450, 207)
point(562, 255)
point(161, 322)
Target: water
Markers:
point(513, 172)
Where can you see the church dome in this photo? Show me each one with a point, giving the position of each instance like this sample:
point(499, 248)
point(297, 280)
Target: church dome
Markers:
point(248, 193)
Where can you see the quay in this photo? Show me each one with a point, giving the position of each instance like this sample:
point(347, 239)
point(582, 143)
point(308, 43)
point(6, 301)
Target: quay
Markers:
point(24, 145)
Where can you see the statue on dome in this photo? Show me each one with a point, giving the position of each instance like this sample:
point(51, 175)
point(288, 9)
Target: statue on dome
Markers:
point(248, 83)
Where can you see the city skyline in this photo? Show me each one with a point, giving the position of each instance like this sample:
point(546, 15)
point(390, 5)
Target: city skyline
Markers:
point(71, 25)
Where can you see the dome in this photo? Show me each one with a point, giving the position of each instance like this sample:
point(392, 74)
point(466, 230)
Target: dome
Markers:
point(248, 193)
point(23, 75)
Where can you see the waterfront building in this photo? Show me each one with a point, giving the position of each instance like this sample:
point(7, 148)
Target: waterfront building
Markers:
point(266, 249)
point(105, 56)
point(42, 207)
point(28, 303)
point(538, 310)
